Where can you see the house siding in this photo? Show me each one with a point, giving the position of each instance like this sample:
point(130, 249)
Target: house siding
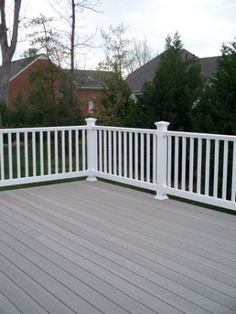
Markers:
point(20, 86)
point(84, 95)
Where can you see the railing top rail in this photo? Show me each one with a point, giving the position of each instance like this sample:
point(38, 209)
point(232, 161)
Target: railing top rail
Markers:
point(202, 135)
point(123, 129)
point(43, 129)
point(111, 128)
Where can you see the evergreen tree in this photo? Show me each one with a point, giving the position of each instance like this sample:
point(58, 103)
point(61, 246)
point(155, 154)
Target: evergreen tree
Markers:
point(171, 95)
point(216, 112)
point(115, 102)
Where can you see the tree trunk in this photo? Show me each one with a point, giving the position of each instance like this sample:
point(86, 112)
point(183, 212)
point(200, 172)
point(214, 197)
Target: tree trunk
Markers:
point(6, 49)
point(72, 53)
point(4, 79)
point(72, 49)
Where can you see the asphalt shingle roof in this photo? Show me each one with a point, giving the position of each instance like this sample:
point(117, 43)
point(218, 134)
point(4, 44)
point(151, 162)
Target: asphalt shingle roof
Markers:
point(91, 79)
point(84, 78)
point(146, 72)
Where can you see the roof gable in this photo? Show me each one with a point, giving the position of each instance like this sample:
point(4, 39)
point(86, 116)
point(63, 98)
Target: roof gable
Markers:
point(19, 66)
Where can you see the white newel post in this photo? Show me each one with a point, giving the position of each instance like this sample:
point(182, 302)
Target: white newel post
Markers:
point(162, 127)
point(92, 148)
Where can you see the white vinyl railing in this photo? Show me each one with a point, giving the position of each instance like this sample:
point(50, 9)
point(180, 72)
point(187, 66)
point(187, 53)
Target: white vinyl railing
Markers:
point(42, 154)
point(127, 155)
point(196, 166)
point(202, 167)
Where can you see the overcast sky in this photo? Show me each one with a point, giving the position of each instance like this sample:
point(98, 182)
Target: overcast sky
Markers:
point(202, 24)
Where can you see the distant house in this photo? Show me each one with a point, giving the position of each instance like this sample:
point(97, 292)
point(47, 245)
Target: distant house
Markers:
point(146, 72)
point(90, 85)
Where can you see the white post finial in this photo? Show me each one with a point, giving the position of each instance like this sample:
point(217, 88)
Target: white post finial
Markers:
point(92, 148)
point(91, 122)
point(162, 127)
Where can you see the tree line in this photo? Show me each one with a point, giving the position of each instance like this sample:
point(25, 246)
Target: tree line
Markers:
point(178, 92)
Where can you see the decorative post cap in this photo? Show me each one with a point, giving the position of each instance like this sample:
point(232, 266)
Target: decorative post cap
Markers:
point(162, 125)
point(91, 121)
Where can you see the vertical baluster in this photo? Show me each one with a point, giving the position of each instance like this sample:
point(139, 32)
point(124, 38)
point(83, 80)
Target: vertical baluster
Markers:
point(18, 160)
point(109, 153)
point(183, 172)
point(233, 186)
point(130, 155)
point(2, 165)
point(49, 152)
point(41, 153)
point(83, 150)
point(136, 155)
point(70, 151)
point(169, 152)
point(56, 151)
point(148, 158)
point(142, 156)
point(199, 166)
point(77, 150)
point(216, 169)
point(191, 157)
point(207, 168)
point(115, 152)
point(125, 154)
point(34, 154)
point(119, 154)
point(105, 150)
point(100, 150)
point(176, 163)
point(225, 170)
point(26, 154)
point(10, 156)
point(63, 153)
point(154, 160)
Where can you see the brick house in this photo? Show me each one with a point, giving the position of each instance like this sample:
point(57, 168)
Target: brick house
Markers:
point(90, 85)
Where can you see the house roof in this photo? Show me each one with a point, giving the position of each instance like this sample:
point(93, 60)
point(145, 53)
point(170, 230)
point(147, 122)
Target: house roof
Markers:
point(18, 66)
point(146, 72)
point(90, 79)
point(208, 65)
point(87, 79)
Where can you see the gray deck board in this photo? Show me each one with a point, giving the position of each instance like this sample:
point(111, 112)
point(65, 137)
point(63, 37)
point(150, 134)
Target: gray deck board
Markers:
point(6, 306)
point(87, 247)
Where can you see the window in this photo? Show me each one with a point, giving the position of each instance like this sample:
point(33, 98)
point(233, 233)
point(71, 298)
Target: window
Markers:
point(90, 106)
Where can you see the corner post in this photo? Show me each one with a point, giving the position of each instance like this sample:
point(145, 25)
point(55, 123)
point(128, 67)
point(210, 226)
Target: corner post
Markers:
point(92, 148)
point(162, 127)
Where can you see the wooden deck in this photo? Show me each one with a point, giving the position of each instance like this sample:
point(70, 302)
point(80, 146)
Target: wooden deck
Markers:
point(93, 247)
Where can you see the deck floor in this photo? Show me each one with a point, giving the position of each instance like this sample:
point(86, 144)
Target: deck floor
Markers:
point(93, 247)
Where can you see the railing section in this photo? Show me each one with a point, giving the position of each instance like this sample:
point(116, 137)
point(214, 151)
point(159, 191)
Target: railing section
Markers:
point(202, 167)
point(196, 166)
point(41, 154)
point(127, 155)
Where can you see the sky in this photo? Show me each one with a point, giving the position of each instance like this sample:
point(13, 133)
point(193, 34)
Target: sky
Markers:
point(203, 24)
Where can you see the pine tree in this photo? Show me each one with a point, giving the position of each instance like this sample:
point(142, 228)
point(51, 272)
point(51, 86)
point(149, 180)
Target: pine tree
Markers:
point(216, 112)
point(176, 86)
